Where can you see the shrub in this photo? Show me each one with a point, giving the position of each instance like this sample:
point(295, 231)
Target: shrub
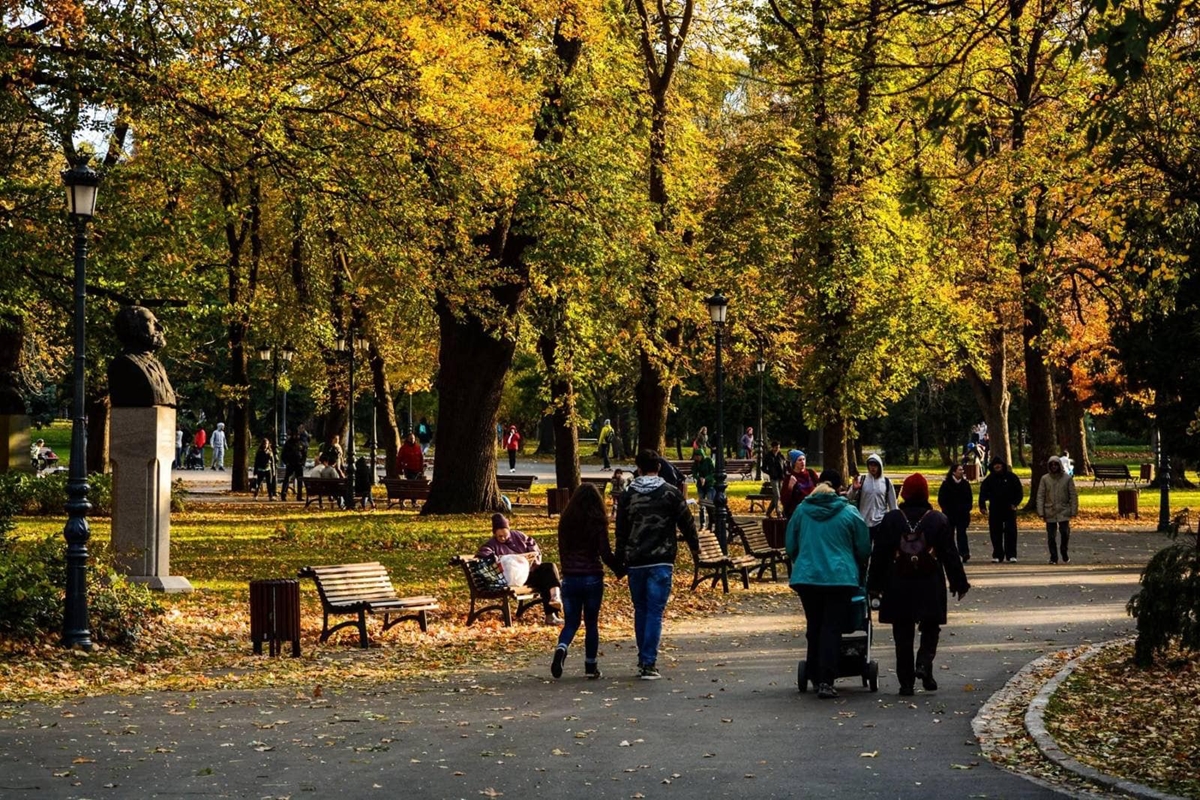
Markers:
point(47, 496)
point(32, 578)
point(1167, 607)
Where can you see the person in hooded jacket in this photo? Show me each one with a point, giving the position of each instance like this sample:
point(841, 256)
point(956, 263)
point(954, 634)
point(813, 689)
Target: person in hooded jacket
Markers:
point(999, 496)
point(914, 555)
point(872, 494)
point(799, 483)
point(1057, 502)
point(583, 550)
point(828, 544)
point(648, 514)
point(956, 499)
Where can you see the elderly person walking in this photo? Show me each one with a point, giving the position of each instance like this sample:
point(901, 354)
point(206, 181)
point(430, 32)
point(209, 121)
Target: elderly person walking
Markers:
point(914, 555)
point(828, 544)
point(1057, 502)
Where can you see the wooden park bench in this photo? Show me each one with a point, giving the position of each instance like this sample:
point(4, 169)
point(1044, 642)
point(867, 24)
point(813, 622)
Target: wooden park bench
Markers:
point(711, 563)
point(739, 466)
point(401, 490)
point(754, 542)
point(684, 467)
point(762, 498)
point(360, 589)
point(1111, 472)
point(601, 483)
point(518, 485)
point(525, 596)
point(320, 488)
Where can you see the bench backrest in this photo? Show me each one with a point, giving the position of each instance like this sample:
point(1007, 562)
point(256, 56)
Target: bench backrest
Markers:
point(710, 549)
point(1111, 471)
point(405, 483)
point(523, 482)
point(753, 538)
point(477, 588)
point(342, 584)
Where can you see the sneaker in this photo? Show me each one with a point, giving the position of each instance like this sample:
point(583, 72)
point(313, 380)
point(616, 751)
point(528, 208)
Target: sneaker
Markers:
point(826, 691)
point(928, 683)
point(591, 670)
point(553, 619)
point(996, 560)
point(649, 672)
point(1066, 559)
point(966, 558)
point(1012, 561)
point(907, 691)
point(1054, 561)
point(560, 655)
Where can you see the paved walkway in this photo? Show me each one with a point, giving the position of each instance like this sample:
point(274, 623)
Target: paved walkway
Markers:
point(725, 721)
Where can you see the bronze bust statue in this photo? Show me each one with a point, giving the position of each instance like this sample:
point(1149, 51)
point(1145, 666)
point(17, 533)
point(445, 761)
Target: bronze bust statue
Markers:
point(136, 379)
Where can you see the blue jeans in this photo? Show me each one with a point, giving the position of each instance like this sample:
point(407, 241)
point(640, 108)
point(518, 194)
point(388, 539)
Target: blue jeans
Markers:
point(650, 588)
point(581, 598)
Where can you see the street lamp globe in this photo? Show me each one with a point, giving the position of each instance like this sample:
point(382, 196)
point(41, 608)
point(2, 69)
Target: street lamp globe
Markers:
point(718, 304)
point(82, 183)
point(340, 343)
point(287, 352)
point(264, 352)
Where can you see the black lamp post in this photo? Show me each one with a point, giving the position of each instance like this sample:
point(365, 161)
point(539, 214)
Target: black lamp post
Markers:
point(1164, 487)
point(718, 305)
point(279, 360)
point(353, 340)
point(760, 365)
point(81, 182)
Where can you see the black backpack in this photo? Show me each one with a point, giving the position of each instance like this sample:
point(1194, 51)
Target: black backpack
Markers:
point(914, 556)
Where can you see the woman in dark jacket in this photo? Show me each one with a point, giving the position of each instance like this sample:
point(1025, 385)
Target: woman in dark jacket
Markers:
point(583, 549)
point(913, 557)
point(956, 499)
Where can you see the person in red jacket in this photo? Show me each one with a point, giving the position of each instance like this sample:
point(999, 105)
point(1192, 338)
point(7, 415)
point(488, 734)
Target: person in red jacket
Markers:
point(410, 461)
point(512, 443)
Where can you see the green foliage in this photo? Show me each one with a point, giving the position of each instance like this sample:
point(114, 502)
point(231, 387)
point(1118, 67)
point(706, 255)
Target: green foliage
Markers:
point(1167, 608)
point(32, 577)
point(45, 496)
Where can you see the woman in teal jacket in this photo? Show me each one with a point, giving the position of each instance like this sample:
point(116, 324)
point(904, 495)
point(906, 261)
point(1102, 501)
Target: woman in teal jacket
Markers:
point(828, 544)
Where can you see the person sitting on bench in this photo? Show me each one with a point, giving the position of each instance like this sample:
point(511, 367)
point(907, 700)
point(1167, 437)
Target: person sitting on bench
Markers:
point(542, 576)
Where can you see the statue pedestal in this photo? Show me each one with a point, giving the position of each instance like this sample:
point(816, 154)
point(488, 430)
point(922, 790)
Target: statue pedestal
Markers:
point(14, 443)
point(141, 448)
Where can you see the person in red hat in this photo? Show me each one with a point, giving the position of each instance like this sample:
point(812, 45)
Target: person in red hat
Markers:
point(913, 557)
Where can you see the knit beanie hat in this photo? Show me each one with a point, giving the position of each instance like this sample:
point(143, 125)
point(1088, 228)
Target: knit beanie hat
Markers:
point(832, 477)
point(499, 521)
point(915, 488)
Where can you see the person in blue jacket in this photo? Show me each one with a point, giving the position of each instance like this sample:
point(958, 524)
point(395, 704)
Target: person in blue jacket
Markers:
point(828, 544)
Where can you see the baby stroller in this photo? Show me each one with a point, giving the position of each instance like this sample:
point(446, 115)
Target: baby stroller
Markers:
point(194, 458)
point(854, 653)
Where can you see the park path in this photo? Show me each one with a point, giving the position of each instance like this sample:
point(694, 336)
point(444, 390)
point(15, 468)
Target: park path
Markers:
point(726, 721)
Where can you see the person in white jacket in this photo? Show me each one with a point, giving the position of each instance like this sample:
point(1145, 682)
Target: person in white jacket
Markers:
point(218, 442)
point(873, 494)
point(1057, 502)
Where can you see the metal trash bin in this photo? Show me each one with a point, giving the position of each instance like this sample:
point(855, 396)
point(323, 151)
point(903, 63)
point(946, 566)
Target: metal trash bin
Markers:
point(971, 471)
point(775, 530)
point(1146, 473)
point(275, 615)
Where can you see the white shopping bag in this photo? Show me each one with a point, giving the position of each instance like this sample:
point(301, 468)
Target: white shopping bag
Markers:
point(515, 568)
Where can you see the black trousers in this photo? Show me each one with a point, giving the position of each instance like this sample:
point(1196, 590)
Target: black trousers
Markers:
point(266, 479)
point(512, 459)
point(904, 633)
point(1064, 530)
point(960, 537)
point(291, 473)
point(826, 610)
point(604, 448)
point(544, 577)
point(1002, 525)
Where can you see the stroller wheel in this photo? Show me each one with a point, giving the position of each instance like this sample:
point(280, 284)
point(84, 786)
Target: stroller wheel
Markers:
point(872, 677)
point(802, 676)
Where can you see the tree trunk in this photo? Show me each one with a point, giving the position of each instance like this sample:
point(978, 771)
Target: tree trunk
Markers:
point(385, 411)
point(993, 398)
point(98, 418)
point(546, 437)
point(1073, 433)
point(474, 364)
point(239, 224)
point(652, 394)
point(565, 433)
point(834, 437)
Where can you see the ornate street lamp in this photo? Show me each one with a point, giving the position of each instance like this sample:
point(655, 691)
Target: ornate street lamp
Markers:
point(279, 361)
point(718, 305)
point(760, 366)
point(353, 340)
point(82, 184)
point(287, 353)
point(1164, 487)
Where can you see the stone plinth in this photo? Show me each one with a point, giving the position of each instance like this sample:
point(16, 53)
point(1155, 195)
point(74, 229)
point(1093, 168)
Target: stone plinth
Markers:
point(14, 443)
point(142, 447)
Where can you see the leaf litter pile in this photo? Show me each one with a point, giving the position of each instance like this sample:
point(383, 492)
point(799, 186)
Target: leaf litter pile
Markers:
point(1139, 724)
point(202, 642)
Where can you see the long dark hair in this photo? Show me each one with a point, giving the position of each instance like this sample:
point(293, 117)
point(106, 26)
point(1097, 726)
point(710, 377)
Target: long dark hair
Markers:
point(584, 516)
